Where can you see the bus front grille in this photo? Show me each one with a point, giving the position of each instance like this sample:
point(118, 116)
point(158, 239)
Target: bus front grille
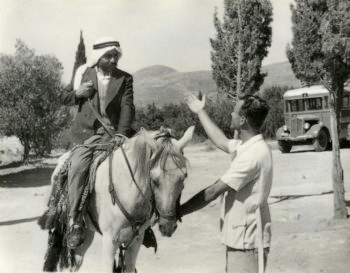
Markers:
point(296, 127)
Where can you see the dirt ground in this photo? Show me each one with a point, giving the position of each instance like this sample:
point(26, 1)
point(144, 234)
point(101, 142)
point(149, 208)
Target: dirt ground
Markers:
point(305, 237)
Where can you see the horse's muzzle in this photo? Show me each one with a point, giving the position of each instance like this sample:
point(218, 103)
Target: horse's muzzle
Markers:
point(167, 226)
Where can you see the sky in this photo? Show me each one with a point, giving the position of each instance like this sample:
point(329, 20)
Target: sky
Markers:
point(173, 33)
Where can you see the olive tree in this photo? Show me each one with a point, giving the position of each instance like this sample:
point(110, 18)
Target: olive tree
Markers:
point(29, 105)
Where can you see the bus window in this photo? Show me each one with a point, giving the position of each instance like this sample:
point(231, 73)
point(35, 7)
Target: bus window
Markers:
point(286, 106)
point(293, 106)
point(314, 104)
point(301, 105)
point(297, 105)
point(326, 105)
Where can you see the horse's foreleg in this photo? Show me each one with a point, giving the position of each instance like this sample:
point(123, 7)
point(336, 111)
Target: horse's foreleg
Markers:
point(81, 250)
point(131, 254)
point(109, 250)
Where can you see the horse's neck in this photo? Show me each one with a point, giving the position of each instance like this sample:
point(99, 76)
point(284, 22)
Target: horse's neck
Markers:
point(136, 183)
point(136, 172)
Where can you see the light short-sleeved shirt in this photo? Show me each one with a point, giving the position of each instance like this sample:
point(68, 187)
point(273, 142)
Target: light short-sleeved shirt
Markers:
point(250, 175)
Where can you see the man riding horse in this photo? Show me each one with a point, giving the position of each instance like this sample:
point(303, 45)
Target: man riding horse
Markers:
point(99, 86)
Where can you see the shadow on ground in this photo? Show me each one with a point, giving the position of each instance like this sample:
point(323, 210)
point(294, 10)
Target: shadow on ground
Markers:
point(27, 178)
point(18, 221)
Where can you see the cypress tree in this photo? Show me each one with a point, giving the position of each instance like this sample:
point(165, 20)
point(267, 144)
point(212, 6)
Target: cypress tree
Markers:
point(241, 43)
point(80, 56)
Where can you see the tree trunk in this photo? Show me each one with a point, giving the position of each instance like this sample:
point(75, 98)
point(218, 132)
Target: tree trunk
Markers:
point(239, 57)
point(340, 211)
point(26, 152)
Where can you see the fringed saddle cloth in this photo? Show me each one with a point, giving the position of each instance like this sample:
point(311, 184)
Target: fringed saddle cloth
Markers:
point(58, 205)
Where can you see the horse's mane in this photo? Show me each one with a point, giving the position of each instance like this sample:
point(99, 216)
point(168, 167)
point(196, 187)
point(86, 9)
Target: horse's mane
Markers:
point(164, 150)
point(145, 160)
point(141, 154)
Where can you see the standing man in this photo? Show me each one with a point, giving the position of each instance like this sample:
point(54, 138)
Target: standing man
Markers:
point(245, 217)
point(98, 86)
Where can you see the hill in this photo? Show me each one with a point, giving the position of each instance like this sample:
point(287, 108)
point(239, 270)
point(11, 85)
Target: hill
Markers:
point(153, 72)
point(163, 85)
point(279, 74)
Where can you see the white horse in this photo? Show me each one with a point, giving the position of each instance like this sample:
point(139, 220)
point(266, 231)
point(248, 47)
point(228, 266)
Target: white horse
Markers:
point(148, 177)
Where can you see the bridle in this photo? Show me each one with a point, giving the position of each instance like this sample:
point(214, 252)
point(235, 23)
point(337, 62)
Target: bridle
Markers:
point(166, 133)
point(136, 223)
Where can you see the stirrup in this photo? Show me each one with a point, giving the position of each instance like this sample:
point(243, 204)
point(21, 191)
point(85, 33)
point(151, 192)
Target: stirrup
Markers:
point(75, 236)
point(149, 239)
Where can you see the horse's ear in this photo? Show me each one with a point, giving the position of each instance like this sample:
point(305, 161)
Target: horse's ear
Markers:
point(186, 138)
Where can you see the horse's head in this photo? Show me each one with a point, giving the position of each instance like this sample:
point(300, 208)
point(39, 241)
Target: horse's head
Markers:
point(168, 170)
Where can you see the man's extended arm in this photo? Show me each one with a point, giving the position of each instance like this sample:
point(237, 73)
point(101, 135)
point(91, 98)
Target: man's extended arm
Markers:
point(212, 130)
point(204, 197)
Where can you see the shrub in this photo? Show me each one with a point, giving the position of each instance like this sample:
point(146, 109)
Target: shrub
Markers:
point(179, 117)
point(275, 119)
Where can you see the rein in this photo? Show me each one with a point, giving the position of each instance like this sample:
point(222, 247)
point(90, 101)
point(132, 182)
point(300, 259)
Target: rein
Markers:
point(137, 223)
point(134, 223)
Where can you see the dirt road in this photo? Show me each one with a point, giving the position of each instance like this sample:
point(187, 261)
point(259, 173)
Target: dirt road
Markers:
point(305, 238)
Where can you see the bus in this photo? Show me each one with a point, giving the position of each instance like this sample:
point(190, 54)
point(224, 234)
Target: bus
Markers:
point(307, 119)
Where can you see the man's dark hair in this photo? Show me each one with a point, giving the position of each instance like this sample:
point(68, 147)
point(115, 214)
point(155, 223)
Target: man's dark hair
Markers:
point(255, 110)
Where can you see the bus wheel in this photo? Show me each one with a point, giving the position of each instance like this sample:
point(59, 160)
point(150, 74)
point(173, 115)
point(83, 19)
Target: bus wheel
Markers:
point(321, 141)
point(284, 146)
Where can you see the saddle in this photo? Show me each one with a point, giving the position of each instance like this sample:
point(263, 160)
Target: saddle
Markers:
point(58, 205)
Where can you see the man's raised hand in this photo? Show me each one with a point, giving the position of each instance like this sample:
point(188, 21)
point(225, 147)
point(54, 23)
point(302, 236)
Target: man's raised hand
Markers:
point(193, 103)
